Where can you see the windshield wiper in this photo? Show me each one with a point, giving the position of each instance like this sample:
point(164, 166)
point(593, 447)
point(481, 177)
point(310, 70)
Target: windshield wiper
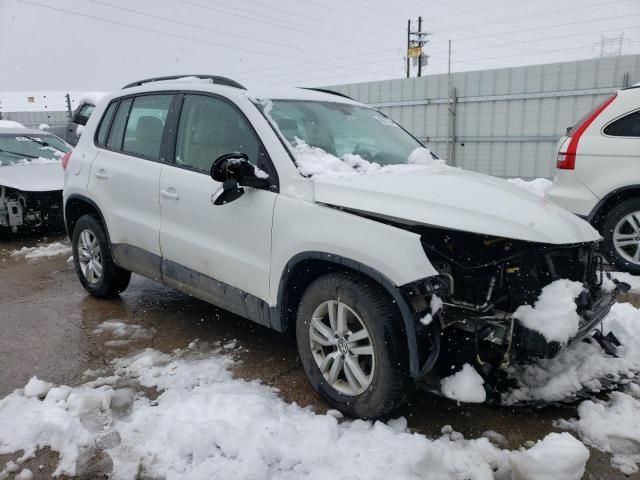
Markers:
point(21, 155)
point(44, 144)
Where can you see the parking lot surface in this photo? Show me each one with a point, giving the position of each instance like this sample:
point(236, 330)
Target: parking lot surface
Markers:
point(48, 329)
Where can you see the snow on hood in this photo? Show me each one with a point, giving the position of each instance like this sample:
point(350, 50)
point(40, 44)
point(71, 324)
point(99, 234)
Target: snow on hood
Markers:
point(37, 175)
point(441, 196)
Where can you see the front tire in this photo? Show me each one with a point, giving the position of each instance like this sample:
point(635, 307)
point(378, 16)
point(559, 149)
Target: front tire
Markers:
point(352, 345)
point(621, 232)
point(93, 262)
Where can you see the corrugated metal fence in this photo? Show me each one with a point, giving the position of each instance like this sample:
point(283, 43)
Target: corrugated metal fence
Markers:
point(504, 122)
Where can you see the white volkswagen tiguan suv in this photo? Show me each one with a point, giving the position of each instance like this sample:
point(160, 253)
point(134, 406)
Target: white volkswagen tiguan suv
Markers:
point(598, 175)
point(310, 213)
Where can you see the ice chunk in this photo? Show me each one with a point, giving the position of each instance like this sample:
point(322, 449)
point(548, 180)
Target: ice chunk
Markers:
point(37, 388)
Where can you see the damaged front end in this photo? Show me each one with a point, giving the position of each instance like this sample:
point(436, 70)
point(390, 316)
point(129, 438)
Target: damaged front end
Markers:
point(482, 281)
point(29, 209)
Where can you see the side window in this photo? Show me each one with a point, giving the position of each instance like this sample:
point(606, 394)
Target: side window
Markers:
point(627, 126)
point(82, 115)
point(116, 132)
point(210, 127)
point(105, 123)
point(145, 125)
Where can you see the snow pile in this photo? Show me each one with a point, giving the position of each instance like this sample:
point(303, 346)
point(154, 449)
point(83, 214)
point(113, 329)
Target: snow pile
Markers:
point(49, 250)
point(539, 186)
point(554, 314)
point(465, 385)
point(10, 124)
point(206, 424)
point(37, 388)
point(123, 332)
point(611, 426)
point(314, 161)
point(44, 127)
point(583, 366)
point(568, 458)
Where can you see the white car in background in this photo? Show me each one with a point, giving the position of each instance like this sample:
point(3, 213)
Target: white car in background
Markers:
point(31, 178)
point(598, 175)
point(313, 214)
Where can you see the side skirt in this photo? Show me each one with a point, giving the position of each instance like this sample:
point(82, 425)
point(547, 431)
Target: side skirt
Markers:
point(192, 282)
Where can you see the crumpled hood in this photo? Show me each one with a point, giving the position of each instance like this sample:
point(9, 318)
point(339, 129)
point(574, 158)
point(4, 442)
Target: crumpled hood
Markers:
point(457, 199)
point(33, 177)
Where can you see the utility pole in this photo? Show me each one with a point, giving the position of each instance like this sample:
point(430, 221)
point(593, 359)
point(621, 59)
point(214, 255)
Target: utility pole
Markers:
point(612, 46)
point(415, 42)
point(408, 47)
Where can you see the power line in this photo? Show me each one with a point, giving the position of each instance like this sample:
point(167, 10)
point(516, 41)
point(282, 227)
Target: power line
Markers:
point(315, 19)
point(182, 37)
point(374, 62)
point(261, 21)
point(484, 59)
point(200, 27)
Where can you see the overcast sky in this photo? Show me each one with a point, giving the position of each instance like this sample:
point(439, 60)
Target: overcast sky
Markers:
point(103, 44)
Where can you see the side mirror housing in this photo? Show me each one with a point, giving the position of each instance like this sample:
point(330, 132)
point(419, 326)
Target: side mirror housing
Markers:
point(235, 171)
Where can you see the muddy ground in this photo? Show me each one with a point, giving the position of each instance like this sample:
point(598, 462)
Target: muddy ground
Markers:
point(47, 322)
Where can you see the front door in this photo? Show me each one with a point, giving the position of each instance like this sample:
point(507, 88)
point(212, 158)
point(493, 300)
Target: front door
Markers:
point(208, 247)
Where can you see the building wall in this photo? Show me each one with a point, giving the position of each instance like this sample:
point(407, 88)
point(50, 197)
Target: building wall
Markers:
point(508, 121)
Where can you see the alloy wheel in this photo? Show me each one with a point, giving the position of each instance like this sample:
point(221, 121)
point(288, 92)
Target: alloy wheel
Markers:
point(342, 347)
point(626, 237)
point(90, 256)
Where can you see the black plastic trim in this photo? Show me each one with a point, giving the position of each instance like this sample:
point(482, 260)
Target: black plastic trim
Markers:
point(408, 317)
point(596, 210)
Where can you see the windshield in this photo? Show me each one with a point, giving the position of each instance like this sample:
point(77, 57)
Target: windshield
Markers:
point(24, 148)
point(341, 130)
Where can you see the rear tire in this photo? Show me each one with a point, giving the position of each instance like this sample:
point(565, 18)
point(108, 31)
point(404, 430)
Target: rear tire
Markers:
point(621, 232)
point(352, 345)
point(92, 258)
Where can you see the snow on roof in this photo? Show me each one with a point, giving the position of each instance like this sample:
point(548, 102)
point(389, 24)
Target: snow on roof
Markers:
point(91, 97)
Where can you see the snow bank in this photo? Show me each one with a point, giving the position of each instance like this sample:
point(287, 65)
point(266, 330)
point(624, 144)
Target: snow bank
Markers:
point(560, 455)
point(314, 161)
point(10, 124)
point(583, 366)
point(49, 250)
point(632, 280)
point(206, 424)
point(465, 385)
point(539, 186)
point(611, 426)
point(554, 313)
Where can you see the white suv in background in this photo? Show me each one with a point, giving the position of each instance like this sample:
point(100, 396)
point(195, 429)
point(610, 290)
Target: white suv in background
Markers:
point(310, 213)
point(598, 175)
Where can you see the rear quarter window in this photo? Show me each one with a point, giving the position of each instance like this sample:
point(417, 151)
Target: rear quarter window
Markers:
point(626, 126)
point(105, 124)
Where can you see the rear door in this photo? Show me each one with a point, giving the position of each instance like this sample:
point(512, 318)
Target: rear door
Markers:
point(125, 176)
point(211, 247)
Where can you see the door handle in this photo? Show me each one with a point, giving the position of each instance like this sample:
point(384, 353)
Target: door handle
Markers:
point(101, 174)
point(170, 193)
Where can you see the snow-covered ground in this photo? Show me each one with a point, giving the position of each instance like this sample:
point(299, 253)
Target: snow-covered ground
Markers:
point(46, 250)
point(205, 423)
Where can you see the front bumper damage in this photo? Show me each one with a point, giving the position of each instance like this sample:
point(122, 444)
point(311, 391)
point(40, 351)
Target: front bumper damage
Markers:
point(29, 209)
point(482, 281)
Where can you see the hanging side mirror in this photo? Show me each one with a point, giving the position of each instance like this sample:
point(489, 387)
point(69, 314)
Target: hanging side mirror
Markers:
point(235, 171)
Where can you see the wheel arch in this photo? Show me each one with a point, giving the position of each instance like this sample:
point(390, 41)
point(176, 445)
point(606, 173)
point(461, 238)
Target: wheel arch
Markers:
point(305, 267)
point(75, 207)
point(617, 196)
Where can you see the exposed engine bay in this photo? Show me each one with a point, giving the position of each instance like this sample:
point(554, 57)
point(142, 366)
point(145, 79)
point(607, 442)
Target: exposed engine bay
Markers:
point(29, 209)
point(483, 280)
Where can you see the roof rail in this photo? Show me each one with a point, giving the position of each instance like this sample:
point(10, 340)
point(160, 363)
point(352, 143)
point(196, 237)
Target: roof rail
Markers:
point(330, 92)
point(214, 78)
